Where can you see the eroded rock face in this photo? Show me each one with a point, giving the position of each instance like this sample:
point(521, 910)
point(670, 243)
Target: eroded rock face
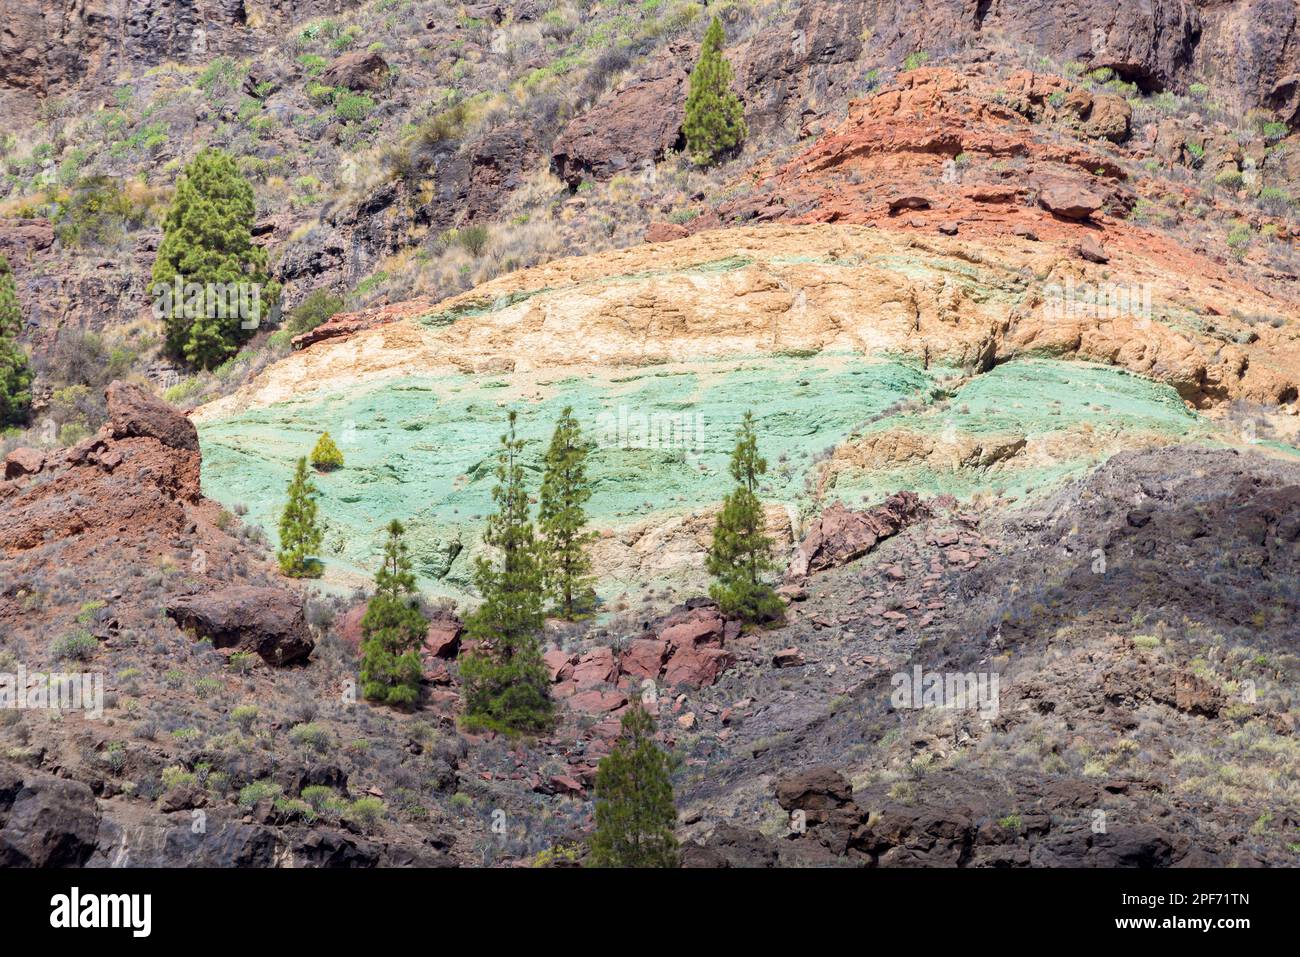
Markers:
point(362, 70)
point(133, 412)
point(49, 48)
point(268, 621)
point(635, 124)
point(45, 821)
point(842, 535)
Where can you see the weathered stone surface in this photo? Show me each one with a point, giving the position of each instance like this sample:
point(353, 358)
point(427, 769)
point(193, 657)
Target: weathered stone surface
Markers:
point(1069, 202)
point(443, 637)
point(361, 70)
point(636, 124)
point(665, 232)
point(842, 535)
point(268, 621)
point(23, 461)
point(134, 412)
point(644, 657)
point(45, 821)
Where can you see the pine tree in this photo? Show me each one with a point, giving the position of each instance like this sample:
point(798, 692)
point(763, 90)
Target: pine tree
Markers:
point(635, 815)
point(392, 629)
point(300, 535)
point(15, 372)
point(326, 455)
point(562, 519)
point(504, 680)
point(715, 118)
point(741, 552)
point(207, 239)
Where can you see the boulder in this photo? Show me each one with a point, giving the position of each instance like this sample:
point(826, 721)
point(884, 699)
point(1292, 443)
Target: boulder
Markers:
point(268, 621)
point(23, 461)
point(908, 201)
point(443, 637)
point(1088, 248)
point(559, 663)
point(842, 535)
point(665, 232)
point(644, 658)
point(787, 658)
point(597, 701)
point(816, 790)
point(134, 412)
point(1110, 117)
point(362, 70)
point(595, 667)
point(45, 821)
point(692, 626)
point(696, 667)
point(1069, 202)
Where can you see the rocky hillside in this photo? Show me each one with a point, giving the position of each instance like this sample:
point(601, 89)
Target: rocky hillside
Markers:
point(1009, 287)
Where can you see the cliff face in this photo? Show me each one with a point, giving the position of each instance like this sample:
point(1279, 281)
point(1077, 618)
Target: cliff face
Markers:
point(55, 47)
point(1247, 51)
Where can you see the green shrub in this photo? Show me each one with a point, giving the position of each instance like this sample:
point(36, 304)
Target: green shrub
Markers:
point(251, 794)
point(316, 308)
point(177, 776)
point(365, 812)
point(319, 796)
point(76, 646)
point(312, 735)
point(244, 715)
point(916, 60)
point(352, 107)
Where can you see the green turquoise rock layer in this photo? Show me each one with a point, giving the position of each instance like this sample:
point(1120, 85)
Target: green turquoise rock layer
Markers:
point(423, 449)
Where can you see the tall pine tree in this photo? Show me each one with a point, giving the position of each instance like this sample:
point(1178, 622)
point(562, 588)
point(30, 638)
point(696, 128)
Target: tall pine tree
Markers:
point(562, 520)
point(207, 239)
point(15, 372)
point(392, 629)
point(505, 683)
point(741, 553)
point(300, 534)
point(715, 118)
point(635, 815)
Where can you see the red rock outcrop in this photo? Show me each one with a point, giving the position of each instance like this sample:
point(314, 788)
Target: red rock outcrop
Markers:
point(841, 535)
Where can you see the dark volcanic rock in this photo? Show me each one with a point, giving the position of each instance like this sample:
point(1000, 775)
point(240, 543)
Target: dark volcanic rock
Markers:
point(268, 621)
point(637, 123)
point(45, 821)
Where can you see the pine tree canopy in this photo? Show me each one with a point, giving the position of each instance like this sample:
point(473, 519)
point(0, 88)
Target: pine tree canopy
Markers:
point(504, 681)
point(741, 553)
point(562, 519)
point(300, 534)
point(392, 629)
point(208, 245)
point(715, 118)
point(635, 814)
point(15, 371)
point(326, 455)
